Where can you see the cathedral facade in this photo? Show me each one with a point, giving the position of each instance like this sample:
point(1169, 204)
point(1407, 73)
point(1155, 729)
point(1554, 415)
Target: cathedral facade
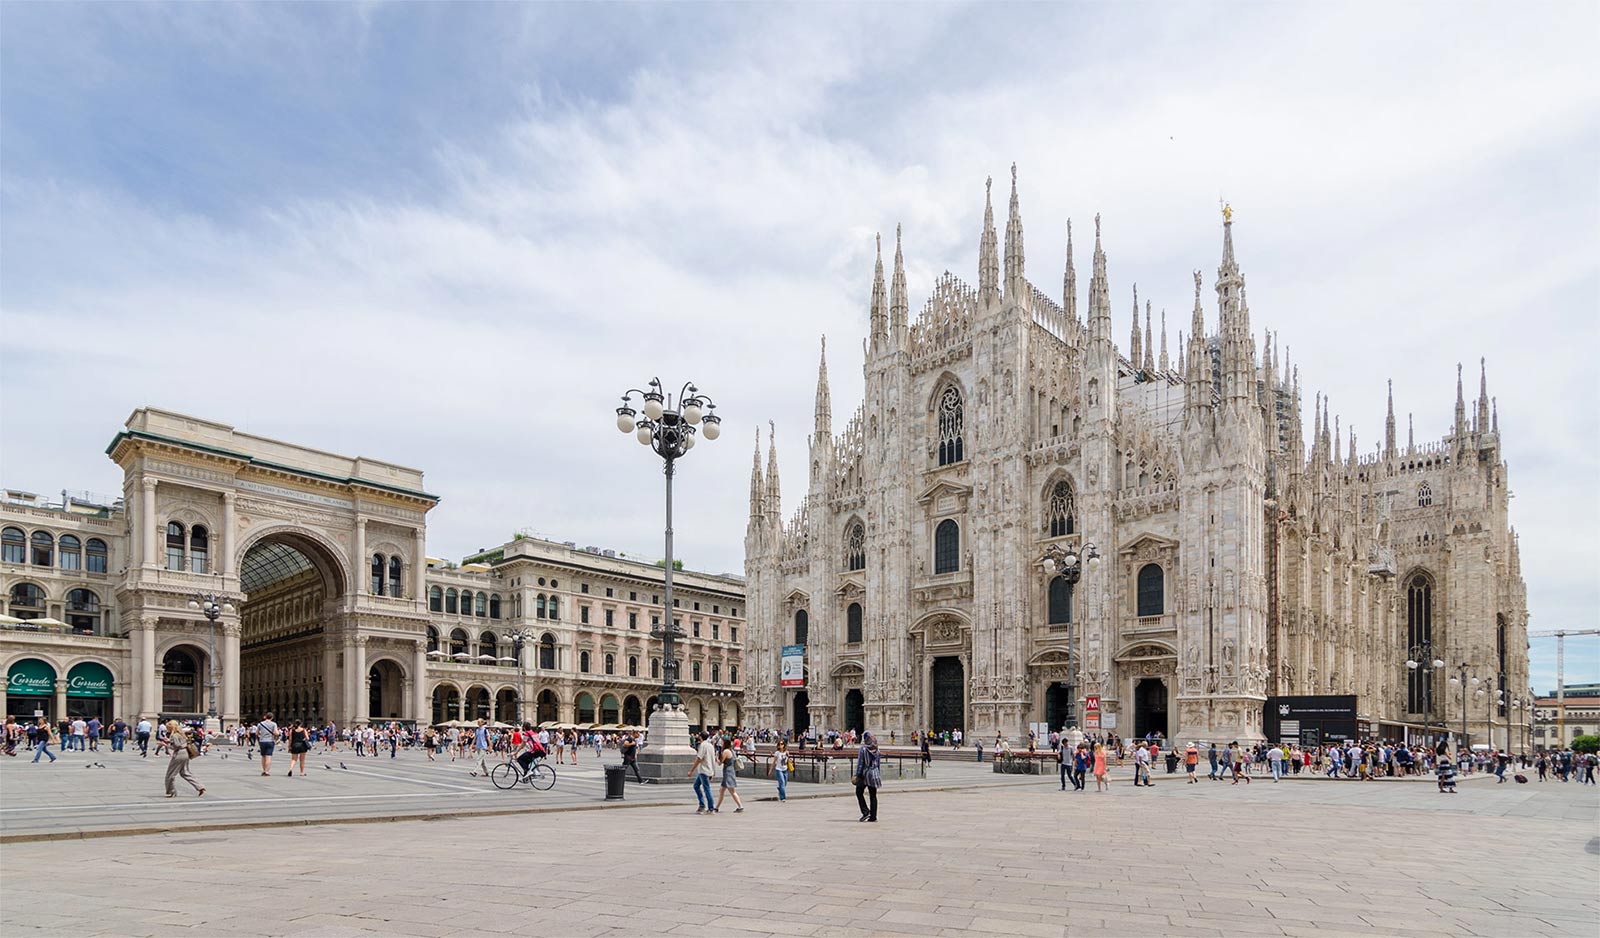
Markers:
point(1234, 559)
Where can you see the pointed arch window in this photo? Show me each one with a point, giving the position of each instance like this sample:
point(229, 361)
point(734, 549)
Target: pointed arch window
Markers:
point(855, 547)
point(952, 448)
point(1152, 590)
point(13, 546)
point(176, 539)
point(802, 625)
point(396, 575)
point(1424, 495)
point(852, 623)
point(1419, 630)
point(1060, 601)
point(199, 548)
point(71, 553)
point(96, 557)
point(1058, 514)
point(947, 547)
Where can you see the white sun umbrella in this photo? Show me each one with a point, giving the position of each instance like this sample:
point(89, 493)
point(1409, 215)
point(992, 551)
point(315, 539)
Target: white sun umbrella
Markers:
point(47, 621)
point(508, 660)
point(10, 620)
point(436, 653)
point(487, 657)
point(461, 656)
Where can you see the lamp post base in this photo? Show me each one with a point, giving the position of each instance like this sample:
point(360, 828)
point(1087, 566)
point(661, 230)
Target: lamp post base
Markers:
point(668, 755)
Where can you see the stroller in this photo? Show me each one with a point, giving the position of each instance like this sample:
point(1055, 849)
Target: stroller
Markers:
point(1447, 776)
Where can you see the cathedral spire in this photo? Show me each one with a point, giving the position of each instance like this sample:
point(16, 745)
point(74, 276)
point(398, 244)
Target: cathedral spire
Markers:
point(824, 414)
point(1461, 409)
point(1352, 457)
point(1411, 434)
point(1149, 343)
point(1181, 358)
point(1388, 426)
point(899, 305)
point(1069, 283)
point(1016, 280)
point(1197, 367)
point(757, 483)
point(1099, 292)
point(1135, 347)
point(1165, 364)
point(1229, 281)
point(774, 494)
point(1338, 443)
point(1483, 395)
point(1327, 431)
point(880, 302)
point(988, 252)
point(1494, 419)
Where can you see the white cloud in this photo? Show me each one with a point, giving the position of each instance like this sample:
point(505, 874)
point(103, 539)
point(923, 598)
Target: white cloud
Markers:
point(1411, 192)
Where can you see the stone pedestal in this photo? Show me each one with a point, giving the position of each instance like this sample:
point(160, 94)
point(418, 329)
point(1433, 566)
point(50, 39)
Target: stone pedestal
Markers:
point(668, 753)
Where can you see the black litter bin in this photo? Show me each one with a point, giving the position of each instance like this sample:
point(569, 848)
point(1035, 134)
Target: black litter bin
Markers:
point(616, 780)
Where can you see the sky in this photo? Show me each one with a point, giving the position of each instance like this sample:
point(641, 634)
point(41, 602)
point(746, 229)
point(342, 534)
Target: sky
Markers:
point(452, 236)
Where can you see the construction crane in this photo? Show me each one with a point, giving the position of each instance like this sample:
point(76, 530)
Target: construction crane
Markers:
point(1560, 635)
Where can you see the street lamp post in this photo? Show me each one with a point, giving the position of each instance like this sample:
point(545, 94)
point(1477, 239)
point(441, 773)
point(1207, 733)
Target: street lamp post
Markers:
point(670, 428)
point(1067, 563)
point(1421, 657)
point(519, 641)
point(213, 608)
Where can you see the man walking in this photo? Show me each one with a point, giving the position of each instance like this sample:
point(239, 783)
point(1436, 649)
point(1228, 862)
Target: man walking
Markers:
point(1275, 759)
point(119, 734)
point(266, 739)
point(705, 763)
point(141, 735)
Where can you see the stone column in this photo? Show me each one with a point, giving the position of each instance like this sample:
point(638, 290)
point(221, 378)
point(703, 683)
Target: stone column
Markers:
point(61, 700)
point(362, 563)
point(145, 669)
point(227, 535)
point(420, 703)
point(147, 512)
point(360, 706)
point(419, 569)
point(330, 684)
point(230, 671)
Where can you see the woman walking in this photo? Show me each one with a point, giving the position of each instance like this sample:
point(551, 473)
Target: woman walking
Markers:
point(1100, 783)
point(182, 751)
point(41, 744)
point(730, 779)
point(780, 769)
point(299, 745)
point(868, 776)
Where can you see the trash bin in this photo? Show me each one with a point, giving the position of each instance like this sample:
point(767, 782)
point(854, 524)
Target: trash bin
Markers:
point(616, 780)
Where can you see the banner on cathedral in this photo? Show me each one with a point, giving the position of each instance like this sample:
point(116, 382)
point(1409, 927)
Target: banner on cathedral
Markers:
point(793, 673)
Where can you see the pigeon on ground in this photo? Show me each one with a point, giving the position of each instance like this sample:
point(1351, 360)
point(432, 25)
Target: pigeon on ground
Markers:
point(343, 766)
point(327, 766)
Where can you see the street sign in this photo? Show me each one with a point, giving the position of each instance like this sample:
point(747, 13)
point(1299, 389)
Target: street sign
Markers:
point(1091, 703)
point(1091, 720)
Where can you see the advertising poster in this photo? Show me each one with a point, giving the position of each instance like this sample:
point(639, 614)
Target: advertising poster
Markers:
point(793, 673)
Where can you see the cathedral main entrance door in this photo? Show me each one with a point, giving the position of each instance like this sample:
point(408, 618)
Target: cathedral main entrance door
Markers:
point(949, 695)
point(1058, 706)
point(855, 717)
point(1150, 708)
point(802, 713)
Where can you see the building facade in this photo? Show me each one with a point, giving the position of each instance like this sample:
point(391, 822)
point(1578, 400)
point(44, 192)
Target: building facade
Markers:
point(1240, 560)
point(337, 611)
point(1557, 722)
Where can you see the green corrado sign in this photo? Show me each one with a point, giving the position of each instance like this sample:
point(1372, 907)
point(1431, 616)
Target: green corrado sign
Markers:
point(31, 677)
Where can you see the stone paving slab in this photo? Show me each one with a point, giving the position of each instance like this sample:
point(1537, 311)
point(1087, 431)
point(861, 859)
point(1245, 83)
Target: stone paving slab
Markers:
point(985, 860)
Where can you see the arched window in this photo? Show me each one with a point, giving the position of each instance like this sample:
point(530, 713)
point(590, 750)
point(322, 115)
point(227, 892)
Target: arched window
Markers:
point(27, 601)
point(555, 608)
point(1419, 629)
point(396, 572)
point(96, 556)
point(83, 611)
point(1424, 495)
point(1152, 590)
point(633, 665)
point(435, 599)
point(458, 642)
point(697, 671)
point(855, 547)
point(946, 547)
point(547, 652)
point(538, 605)
point(199, 548)
point(1060, 601)
point(377, 575)
point(733, 674)
point(489, 644)
point(13, 546)
point(716, 673)
point(176, 539)
point(494, 606)
point(802, 625)
point(1058, 514)
point(450, 599)
point(852, 623)
point(655, 668)
point(611, 663)
point(583, 661)
point(952, 448)
point(433, 638)
point(71, 553)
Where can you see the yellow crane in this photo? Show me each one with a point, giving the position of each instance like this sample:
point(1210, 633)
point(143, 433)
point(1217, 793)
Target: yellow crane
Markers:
point(1560, 635)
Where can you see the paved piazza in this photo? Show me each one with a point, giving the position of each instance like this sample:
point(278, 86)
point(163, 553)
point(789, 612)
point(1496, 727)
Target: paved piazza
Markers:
point(968, 853)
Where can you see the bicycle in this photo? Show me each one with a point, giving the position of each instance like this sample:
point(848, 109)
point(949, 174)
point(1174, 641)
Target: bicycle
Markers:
point(506, 775)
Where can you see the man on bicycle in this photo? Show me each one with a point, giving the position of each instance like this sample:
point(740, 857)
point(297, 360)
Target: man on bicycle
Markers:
point(531, 749)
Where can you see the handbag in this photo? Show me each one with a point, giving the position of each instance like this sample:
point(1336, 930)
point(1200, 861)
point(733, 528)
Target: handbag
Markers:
point(194, 751)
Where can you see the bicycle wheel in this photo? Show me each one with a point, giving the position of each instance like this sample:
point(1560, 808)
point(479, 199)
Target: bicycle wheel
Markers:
point(504, 775)
point(542, 777)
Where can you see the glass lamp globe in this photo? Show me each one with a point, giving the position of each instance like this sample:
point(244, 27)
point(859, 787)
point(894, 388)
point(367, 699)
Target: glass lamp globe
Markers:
point(227, 608)
point(1072, 561)
point(625, 419)
point(1094, 561)
point(652, 405)
point(1455, 680)
point(1474, 681)
point(642, 434)
point(1438, 662)
point(713, 426)
point(194, 604)
point(1411, 664)
point(692, 413)
point(688, 442)
point(1049, 565)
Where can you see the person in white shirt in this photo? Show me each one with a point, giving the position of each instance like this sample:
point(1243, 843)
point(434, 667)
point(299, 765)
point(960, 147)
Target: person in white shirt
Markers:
point(705, 763)
point(1275, 759)
point(266, 739)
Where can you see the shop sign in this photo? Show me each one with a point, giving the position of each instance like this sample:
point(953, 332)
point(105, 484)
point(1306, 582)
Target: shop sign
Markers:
point(31, 677)
point(89, 680)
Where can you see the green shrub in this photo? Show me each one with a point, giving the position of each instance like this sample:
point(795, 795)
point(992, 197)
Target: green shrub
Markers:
point(1586, 743)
